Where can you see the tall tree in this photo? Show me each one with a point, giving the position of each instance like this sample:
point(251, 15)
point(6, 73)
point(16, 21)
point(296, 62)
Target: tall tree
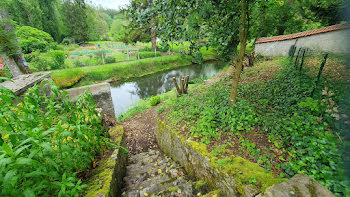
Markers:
point(75, 16)
point(144, 16)
point(243, 40)
point(9, 49)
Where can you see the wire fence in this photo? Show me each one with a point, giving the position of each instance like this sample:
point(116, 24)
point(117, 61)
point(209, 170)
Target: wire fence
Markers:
point(303, 52)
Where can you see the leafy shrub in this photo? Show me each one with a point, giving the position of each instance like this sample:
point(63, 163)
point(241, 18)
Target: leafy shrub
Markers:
point(110, 59)
point(46, 141)
point(32, 39)
point(66, 41)
point(164, 46)
point(48, 61)
point(144, 55)
point(148, 49)
point(78, 63)
point(155, 100)
point(59, 58)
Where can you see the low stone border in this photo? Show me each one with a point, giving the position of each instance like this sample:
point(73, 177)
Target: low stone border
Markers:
point(101, 93)
point(234, 176)
point(107, 179)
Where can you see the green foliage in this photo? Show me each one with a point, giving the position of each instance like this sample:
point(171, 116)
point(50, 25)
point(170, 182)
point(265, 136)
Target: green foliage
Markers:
point(66, 41)
point(123, 70)
point(46, 141)
point(301, 127)
point(47, 61)
point(75, 18)
point(155, 100)
point(32, 39)
point(144, 55)
point(110, 59)
point(119, 30)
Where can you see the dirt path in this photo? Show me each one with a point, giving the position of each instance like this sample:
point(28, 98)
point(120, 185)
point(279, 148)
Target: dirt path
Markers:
point(139, 131)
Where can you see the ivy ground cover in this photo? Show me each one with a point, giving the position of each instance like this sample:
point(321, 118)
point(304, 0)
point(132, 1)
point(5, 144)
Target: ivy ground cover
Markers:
point(275, 123)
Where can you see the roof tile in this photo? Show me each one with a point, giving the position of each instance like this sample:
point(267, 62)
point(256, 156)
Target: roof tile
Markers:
point(302, 34)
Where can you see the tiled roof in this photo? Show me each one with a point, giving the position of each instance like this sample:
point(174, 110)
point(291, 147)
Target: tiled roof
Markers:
point(302, 34)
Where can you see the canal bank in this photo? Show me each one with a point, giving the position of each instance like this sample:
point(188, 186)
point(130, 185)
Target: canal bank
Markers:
point(125, 95)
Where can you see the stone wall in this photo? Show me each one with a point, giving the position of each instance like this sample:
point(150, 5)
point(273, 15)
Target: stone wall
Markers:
point(107, 178)
point(101, 93)
point(233, 177)
point(330, 42)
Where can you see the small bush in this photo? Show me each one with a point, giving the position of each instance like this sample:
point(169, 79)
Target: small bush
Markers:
point(59, 58)
point(78, 63)
point(66, 41)
point(47, 61)
point(110, 59)
point(148, 49)
point(154, 100)
point(144, 55)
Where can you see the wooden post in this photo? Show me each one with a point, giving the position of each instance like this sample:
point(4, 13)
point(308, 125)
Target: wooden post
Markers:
point(319, 74)
point(182, 84)
point(177, 87)
point(186, 82)
point(138, 54)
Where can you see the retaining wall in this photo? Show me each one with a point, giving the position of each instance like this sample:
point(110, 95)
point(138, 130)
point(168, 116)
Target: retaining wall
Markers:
point(233, 177)
point(101, 93)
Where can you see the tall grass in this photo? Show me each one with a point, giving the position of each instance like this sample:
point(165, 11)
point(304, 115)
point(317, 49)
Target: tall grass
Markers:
point(117, 71)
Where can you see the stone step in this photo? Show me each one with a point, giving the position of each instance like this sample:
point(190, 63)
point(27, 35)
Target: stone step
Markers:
point(153, 174)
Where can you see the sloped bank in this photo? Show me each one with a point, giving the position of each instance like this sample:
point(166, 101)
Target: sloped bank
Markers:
point(107, 179)
point(234, 177)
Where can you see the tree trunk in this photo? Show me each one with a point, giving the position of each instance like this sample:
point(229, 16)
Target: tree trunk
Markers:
point(14, 61)
point(243, 41)
point(153, 35)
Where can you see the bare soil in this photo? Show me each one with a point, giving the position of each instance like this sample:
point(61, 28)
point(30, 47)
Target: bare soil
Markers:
point(139, 131)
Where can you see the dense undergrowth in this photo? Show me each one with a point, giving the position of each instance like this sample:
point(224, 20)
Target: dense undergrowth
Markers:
point(47, 141)
point(274, 123)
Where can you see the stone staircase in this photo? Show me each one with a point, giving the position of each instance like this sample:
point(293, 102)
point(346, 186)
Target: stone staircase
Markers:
point(153, 174)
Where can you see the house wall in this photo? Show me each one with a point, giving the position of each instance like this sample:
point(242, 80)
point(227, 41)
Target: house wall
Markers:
point(330, 42)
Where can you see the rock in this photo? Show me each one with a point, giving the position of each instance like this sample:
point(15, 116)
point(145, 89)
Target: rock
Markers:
point(300, 185)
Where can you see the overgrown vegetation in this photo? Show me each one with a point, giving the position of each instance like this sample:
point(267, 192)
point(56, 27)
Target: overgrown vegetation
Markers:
point(46, 141)
point(275, 123)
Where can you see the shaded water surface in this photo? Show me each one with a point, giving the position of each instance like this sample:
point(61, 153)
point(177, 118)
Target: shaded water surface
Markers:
point(127, 93)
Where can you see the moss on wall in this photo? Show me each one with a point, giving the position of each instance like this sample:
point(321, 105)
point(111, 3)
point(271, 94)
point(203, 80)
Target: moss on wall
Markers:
point(232, 178)
point(107, 178)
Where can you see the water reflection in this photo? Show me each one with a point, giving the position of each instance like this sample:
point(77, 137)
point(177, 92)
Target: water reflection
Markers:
point(127, 93)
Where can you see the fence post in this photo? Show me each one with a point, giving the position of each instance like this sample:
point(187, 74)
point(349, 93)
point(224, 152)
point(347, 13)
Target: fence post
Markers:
point(319, 74)
point(138, 55)
point(296, 59)
point(302, 60)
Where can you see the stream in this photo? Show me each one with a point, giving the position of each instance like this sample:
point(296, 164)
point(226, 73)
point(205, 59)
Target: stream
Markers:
point(127, 93)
